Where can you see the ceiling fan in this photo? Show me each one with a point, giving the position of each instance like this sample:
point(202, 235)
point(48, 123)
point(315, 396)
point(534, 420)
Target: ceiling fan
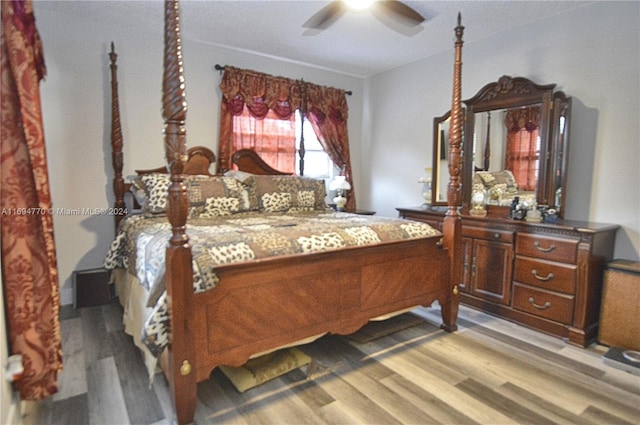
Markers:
point(385, 10)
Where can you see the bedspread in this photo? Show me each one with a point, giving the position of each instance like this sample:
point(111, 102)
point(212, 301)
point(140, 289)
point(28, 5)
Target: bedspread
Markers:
point(141, 243)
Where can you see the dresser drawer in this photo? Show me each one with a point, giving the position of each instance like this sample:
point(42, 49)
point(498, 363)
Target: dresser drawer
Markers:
point(488, 234)
point(551, 305)
point(554, 249)
point(546, 274)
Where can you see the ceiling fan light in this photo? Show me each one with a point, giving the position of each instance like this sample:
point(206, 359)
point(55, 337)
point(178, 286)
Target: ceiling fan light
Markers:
point(359, 5)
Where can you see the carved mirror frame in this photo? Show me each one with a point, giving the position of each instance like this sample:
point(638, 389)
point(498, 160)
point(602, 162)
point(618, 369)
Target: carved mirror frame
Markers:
point(555, 109)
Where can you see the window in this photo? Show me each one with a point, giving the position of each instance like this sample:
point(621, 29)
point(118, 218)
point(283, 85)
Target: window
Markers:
point(271, 137)
point(317, 163)
point(277, 141)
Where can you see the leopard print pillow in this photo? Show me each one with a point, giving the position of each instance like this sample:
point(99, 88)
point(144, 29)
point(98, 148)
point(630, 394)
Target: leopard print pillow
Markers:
point(276, 201)
point(156, 186)
point(215, 207)
point(284, 193)
point(228, 192)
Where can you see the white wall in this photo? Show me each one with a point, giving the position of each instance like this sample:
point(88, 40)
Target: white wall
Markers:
point(591, 53)
point(77, 117)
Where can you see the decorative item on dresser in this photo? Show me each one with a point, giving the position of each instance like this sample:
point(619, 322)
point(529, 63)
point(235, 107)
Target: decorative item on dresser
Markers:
point(214, 306)
point(545, 276)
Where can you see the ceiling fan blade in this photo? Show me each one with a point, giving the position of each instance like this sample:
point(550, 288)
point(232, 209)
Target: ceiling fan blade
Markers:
point(326, 16)
point(404, 13)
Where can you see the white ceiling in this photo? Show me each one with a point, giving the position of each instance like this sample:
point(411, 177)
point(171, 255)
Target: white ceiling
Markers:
point(358, 44)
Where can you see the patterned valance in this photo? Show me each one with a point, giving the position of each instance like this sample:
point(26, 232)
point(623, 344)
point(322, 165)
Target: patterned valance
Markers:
point(523, 119)
point(263, 92)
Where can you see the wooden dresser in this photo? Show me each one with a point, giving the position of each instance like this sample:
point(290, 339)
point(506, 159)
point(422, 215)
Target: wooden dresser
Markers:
point(544, 276)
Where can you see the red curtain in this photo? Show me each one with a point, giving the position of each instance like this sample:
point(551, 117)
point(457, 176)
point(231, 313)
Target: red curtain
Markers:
point(262, 96)
point(523, 145)
point(271, 137)
point(29, 270)
point(328, 113)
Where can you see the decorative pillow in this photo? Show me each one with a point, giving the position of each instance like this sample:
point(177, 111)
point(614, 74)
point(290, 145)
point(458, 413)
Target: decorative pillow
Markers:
point(492, 178)
point(155, 186)
point(276, 201)
point(137, 189)
point(202, 188)
point(284, 193)
point(216, 193)
point(477, 184)
point(215, 207)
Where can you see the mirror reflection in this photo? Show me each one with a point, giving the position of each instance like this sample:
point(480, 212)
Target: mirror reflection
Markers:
point(506, 154)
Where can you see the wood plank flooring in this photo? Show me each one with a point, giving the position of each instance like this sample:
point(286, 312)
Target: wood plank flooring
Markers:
point(489, 372)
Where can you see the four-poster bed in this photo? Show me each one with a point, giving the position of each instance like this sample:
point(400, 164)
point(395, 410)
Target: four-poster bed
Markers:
point(261, 305)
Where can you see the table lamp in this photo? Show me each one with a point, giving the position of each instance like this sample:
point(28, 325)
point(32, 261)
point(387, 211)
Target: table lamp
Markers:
point(340, 185)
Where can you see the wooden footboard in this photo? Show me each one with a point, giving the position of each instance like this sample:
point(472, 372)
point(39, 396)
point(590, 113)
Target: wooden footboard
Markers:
point(273, 303)
point(258, 307)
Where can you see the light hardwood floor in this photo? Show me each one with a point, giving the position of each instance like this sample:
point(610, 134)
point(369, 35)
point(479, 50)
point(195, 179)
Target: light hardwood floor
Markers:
point(489, 372)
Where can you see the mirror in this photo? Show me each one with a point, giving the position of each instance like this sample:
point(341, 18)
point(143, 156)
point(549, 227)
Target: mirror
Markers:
point(507, 139)
point(515, 143)
point(440, 169)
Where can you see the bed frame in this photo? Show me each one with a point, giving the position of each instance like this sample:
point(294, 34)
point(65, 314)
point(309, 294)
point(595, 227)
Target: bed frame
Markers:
point(276, 302)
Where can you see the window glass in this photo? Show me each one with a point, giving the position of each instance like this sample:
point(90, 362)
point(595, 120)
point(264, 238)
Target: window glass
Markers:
point(317, 163)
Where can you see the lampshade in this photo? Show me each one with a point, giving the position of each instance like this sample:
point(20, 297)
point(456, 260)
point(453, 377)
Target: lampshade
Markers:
point(339, 183)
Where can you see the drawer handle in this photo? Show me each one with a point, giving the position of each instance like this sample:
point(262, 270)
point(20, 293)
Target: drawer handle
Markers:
point(541, 249)
point(546, 278)
point(538, 306)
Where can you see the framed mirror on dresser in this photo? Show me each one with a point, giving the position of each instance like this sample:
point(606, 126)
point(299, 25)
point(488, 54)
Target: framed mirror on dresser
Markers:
point(523, 259)
point(516, 144)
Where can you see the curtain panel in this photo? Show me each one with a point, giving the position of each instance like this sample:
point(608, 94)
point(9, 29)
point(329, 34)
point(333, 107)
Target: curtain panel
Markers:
point(523, 127)
point(274, 138)
point(325, 107)
point(29, 270)
point(327, 111)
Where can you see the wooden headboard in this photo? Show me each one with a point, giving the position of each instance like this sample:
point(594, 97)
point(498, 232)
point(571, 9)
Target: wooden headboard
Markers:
point(249, 161)
point(199, 160)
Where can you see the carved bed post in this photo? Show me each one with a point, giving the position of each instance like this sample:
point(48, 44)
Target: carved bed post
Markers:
point(116, 143)
point(452, 226)
point(179, 271)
